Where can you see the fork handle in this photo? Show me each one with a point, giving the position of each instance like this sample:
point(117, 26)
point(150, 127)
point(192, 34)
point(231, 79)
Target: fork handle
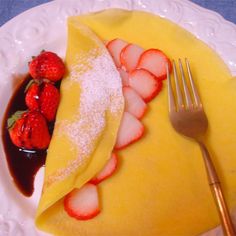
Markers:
point(226, 220)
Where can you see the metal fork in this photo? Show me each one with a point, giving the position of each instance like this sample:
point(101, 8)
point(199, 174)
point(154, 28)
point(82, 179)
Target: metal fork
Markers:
point(188, 118)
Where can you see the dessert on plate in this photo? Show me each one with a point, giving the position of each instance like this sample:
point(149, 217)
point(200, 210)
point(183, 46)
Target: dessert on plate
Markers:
point(114, 164)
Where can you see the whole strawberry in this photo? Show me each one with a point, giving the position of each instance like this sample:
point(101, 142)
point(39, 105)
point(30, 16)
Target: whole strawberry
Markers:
point(32, 95)
point(44, 97)
point(28, 130)
point(47, 65)
point(49, 100)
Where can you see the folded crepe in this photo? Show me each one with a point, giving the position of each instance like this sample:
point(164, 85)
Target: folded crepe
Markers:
point(161, 186)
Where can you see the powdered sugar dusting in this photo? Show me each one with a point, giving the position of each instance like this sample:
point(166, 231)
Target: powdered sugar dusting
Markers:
point(101, 92)
point(100, 83)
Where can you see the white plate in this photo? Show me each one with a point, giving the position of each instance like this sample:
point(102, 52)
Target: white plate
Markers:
point(44, 27)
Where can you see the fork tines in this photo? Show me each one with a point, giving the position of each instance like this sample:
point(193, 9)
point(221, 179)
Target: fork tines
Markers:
point(184, 101)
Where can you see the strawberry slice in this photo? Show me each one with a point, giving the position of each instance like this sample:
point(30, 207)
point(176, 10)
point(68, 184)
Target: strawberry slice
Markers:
point(130, 55)
point(114, 47)
point(82, 203)
point(107, 171)
point(155, 62)
point(145, 84)
point(124, 77)
point(134, 104)
point(131, 130)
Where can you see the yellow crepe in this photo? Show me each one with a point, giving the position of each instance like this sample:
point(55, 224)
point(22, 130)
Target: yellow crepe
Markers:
point(160, 187)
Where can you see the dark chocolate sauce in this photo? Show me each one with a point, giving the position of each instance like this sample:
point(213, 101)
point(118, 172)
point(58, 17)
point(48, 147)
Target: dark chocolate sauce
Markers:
point(23, 164)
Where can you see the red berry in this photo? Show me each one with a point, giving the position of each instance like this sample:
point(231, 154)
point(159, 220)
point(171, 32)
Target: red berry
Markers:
point(29, 130)
point(145, 84)
point(130, 55)
point(124, 77)
point(32, 97)
point(107, 170)
point(83, 203)
point(154, 61)
point(45, 98)
point(115, 47)
point(49, 100)
point(47, 65)
point(130, 131)
point(15, 124)
point(134, 104)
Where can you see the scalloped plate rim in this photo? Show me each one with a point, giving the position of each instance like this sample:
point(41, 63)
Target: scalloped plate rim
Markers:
point(11, 225)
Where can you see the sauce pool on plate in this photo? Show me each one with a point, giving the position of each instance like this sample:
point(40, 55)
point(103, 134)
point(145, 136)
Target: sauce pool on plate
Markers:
point(23, 164)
